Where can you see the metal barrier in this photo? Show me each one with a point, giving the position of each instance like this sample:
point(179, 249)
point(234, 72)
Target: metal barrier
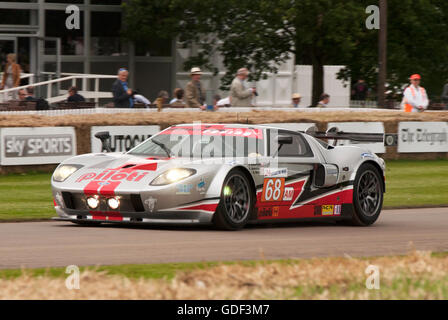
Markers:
point(102, 110)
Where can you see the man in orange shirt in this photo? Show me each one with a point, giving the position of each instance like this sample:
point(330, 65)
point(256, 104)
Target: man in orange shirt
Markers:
point(415, 98)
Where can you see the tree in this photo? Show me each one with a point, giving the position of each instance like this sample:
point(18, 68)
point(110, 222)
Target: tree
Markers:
point(258, 34)
point(261, 34)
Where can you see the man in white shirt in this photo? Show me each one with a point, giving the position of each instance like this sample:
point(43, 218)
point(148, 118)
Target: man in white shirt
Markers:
point(415, 98)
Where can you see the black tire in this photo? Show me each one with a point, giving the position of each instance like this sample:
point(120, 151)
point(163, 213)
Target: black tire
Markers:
point(236, 207)
point(368, 195)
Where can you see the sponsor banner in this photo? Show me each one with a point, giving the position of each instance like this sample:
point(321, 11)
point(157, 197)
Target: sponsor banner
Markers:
point(123, 138)
point(422, 137)
point(360, 127)
point(291, 126)
point(29, 146)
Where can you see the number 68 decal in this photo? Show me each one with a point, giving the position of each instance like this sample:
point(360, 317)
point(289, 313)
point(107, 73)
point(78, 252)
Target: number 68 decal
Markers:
point(273, 189)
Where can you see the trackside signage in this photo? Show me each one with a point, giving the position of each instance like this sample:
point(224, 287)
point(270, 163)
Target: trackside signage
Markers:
point(422, 137)
point(33, 146)
point(123, 138)
point(360, 127)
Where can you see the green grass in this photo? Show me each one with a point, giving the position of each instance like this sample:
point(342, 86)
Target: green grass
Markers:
point(409, 183)
point(26, 196)
point(416, 183)
point(146, 271)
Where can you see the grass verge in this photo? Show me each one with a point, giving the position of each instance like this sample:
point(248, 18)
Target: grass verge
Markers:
point(418, 275)
point(409, 184)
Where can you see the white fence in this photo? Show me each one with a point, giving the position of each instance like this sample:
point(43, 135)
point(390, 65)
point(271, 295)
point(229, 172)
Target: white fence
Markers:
point(55, 94)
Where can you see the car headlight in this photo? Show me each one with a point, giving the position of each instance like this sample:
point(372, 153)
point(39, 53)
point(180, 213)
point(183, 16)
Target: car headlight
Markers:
point(63, 172)
point(172, 175)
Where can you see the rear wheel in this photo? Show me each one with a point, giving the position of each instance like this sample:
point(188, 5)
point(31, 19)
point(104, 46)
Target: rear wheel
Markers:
point(367, 195)
point(237, 202)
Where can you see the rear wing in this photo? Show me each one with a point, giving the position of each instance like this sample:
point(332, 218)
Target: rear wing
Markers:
point(334, 134)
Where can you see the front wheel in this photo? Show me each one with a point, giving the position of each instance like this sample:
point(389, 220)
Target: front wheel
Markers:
point(237, 202)
point(367, 195)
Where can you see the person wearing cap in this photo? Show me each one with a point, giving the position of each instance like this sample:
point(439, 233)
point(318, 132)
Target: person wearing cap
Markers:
point(123, 95)
point(194, 91)
point(296, 97)
point(240, 94)
point(415, 98)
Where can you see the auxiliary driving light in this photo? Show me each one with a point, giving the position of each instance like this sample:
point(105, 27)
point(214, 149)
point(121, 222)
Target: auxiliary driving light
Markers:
point(113, 203)
point(93, 202)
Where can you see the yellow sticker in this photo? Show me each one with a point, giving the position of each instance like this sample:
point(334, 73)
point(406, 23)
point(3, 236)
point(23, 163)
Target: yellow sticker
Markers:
point(327, 210)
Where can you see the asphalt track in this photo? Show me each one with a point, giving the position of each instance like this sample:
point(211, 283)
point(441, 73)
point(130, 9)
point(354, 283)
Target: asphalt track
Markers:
point(51, 244)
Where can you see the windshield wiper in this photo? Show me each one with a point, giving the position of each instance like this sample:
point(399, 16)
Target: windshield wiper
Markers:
point(163, 147)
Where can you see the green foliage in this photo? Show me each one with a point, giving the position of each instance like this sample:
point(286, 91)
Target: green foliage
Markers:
point(261, 34)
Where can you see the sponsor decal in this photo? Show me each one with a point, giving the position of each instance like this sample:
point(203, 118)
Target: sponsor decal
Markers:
point(273, 189)
point(275, 211)
point(422, 137)
point(201, 186)
point(36, 146)
point(337, 210)
point(123, 138)
point(327, 210)
point(23, 146)
point(265, 212)
point(184, 188)
point(330, 210)
point(367, 155)
point(216, 130)
point(151, 203)
point(274, 172)
point(288, 194)
point(105, 177)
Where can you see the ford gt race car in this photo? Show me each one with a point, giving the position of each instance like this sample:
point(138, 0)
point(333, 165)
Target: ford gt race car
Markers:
point(228, 175)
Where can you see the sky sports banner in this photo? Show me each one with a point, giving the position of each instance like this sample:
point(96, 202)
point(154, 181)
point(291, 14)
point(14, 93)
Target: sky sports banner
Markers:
point(33, 146)
point(123, 138)
point(422, 137)
point(360, 127)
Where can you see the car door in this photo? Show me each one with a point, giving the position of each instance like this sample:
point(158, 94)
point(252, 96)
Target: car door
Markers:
point(287, 174)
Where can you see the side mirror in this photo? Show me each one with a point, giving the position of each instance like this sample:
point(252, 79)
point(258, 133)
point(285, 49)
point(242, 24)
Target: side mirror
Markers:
point(284, 140)
point(104, 136)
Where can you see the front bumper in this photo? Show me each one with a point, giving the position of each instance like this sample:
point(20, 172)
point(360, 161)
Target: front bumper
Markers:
point(165, 217)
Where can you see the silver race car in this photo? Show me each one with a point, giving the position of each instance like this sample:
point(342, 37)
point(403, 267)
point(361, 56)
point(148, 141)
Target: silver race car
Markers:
point(224, 174)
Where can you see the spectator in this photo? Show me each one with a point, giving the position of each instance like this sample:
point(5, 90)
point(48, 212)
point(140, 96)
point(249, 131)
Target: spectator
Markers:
point(241, 95)
point(22, 95)
point(122, 93)
point(30, 94)
point(178, 100)
point(324, 101)
point(176, 93)
point(296, 98)
point(415, 98)
point(445, 95)
point(162, 98)
point(41, 103)
point(194, 92)
point(74, 96)
point(360, 90)
point(11, 76)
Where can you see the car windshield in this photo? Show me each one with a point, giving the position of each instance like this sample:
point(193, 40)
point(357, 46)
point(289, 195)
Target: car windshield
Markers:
point(217, 141)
